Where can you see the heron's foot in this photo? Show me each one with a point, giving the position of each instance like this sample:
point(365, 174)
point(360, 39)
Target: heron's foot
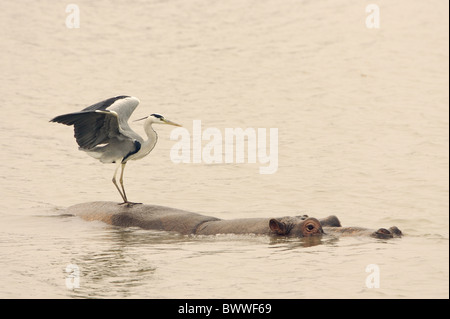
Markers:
point(129, 204)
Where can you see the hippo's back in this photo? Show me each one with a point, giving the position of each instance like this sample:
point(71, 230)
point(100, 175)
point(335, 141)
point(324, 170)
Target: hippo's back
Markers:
point(144, 216)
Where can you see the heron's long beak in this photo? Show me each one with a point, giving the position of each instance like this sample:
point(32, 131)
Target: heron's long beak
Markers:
point(170, 122)
point(140, 119)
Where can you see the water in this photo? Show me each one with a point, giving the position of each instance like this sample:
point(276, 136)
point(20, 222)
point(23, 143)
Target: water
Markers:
point(362, 116)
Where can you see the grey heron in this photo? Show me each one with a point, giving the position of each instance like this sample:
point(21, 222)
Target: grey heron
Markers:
point(102, 131)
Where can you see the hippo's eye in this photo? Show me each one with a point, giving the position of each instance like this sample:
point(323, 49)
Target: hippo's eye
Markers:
point(310, 227)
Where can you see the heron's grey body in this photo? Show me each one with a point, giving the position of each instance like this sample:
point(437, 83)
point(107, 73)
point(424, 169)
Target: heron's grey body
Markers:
point(102, 131)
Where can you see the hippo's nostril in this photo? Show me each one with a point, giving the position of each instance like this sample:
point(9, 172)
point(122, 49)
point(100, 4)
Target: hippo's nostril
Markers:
point(382, 233)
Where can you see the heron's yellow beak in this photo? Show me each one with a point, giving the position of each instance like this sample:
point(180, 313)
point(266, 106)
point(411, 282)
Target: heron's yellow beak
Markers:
point(170, 122)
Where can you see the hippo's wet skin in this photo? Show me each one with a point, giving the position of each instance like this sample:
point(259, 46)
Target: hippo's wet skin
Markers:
point(184, 222)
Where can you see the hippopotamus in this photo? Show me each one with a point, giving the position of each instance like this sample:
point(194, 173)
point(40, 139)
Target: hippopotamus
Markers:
point(185, 222)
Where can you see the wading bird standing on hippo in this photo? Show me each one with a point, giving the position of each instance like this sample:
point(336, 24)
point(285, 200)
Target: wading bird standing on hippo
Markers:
point(102, 131)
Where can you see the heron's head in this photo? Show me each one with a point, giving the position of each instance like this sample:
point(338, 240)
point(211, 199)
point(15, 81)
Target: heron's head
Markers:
point(158, 119)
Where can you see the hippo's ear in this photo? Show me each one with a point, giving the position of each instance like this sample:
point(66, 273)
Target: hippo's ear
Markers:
point(278, 227)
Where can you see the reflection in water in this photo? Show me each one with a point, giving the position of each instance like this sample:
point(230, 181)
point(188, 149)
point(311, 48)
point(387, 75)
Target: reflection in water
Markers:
point(115, 262)
point(294, 243)
point(129, 258)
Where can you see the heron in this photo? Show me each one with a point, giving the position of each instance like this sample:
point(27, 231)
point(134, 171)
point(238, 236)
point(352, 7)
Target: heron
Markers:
point(102, 131)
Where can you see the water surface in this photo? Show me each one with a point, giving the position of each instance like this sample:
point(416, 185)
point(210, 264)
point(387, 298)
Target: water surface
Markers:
point(362, 116)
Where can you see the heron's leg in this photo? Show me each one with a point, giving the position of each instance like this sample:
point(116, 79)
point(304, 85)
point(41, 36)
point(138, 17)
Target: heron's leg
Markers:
point(117, 186)
point(121, 182)
point(125, 200)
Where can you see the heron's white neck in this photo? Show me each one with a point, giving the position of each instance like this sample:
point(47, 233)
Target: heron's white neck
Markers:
point(148, 144)
point(151, 134)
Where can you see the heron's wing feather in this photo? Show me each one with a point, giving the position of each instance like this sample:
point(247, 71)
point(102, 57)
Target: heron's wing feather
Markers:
point(103, 105)
point(123, 105)
point(93, 127)
point(103, 121)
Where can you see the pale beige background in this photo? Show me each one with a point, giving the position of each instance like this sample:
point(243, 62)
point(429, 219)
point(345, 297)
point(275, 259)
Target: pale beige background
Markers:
point(362, 116)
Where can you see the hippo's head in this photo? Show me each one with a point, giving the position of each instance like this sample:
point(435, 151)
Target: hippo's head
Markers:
point(296, 226)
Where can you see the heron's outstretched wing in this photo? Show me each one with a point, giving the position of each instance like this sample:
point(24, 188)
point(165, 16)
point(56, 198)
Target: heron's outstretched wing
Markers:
point(123, 105)
point(91, 127)
point(101, 122)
